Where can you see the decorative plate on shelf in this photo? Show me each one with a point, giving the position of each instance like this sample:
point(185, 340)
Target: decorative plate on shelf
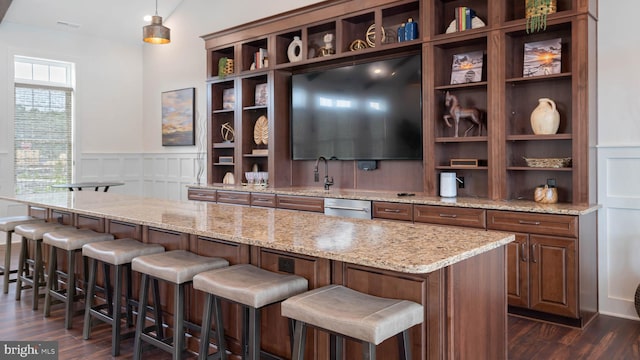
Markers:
point(261, 131)
point(476, 22)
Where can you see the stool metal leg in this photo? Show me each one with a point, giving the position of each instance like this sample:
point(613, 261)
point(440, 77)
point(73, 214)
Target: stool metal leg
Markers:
point(368, 351)
point(7, 263)
point(206, 328)
point(22, 268)
point(254, 333)
point(404, 347)
point(299, 337)
point(142, 309)
point(157, 308)
point(336, 345)
point(217, 313)
point(37, 274)
point(51, 280)
point(117, 314)
point(178, 322)
point(71, 288)
point(129, 294)
point(86, 332)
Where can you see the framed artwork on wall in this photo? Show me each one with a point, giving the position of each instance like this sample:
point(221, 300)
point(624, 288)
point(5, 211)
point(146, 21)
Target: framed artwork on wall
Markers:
point(178, 117)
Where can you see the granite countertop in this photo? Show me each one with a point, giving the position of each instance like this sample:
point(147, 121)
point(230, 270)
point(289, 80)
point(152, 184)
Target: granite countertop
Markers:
point(397, 246)
point(417, 198)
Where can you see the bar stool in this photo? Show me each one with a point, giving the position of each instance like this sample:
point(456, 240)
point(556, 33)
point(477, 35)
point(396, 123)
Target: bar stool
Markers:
point(346, 312)
point(249, 286)
point(178, 268)
point(70, 240)
point(8, 224)
point(119, 253)
point(32, 232)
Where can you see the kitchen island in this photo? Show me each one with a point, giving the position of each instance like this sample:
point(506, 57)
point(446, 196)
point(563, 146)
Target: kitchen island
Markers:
point(457, 274)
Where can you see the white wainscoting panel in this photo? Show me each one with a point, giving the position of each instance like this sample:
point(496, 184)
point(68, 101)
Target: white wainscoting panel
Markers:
point(168, 175)
point(126, 168)
point(618, 229)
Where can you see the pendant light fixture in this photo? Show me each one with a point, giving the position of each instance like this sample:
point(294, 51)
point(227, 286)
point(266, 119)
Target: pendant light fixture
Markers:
point(156, 33)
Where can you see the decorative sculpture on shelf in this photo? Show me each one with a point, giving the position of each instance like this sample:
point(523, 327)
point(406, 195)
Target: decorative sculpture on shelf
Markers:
point(457, 112)
point(227, 132)
point(327, 49)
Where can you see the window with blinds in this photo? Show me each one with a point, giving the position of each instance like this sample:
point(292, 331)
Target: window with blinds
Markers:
point(43, 125)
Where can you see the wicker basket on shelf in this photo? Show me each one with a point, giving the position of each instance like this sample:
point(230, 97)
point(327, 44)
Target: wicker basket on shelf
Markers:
point(548, 162)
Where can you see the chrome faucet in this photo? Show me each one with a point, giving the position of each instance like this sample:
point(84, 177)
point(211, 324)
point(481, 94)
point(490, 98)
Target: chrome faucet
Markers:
point(328, 181)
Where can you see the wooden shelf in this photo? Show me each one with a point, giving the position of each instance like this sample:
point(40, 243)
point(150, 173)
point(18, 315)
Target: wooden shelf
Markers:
point(224, 164)
point(224, 145)
point(461, 86)
point(223, 111)
point(461, 139)
point(561, 76)
point(529, 137)
point(527, 168)
point(459, 168)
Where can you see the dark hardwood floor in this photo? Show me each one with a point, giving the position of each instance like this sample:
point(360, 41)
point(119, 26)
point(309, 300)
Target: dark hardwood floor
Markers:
point(605, 338)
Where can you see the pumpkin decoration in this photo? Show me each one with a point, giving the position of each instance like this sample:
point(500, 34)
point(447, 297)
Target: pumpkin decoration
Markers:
point(536, 14)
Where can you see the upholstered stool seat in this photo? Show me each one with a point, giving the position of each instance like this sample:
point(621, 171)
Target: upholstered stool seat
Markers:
point(249, 286)
point(32, 232)
point(346, 312)
point(70, 240)
point(119, 253)
point(7, 225)
point(177, 267)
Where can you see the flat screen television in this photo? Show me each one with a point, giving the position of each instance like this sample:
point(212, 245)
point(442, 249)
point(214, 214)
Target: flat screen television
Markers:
point(364, 111)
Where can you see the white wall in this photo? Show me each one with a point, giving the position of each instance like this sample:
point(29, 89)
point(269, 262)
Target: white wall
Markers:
point(618, 157)
point(109, 88)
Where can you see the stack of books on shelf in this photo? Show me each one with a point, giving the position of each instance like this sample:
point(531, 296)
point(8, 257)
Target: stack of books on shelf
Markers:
point(260, 58)
point(464, 16)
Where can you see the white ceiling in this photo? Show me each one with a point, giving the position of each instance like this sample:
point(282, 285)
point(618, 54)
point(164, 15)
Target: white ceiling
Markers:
point(118, 20)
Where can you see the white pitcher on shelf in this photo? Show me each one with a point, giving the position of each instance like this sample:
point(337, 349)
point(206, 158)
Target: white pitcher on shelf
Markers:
point(545, 118)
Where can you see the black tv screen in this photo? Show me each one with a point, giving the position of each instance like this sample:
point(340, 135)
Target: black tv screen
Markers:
point(366, 111)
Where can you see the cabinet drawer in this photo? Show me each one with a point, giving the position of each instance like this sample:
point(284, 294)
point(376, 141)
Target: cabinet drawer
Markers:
point(560, 225)
point(201, 194)
point(266, 200)
point(234, 197)
point(450, 216)
point(392, 211)
point(300, 203)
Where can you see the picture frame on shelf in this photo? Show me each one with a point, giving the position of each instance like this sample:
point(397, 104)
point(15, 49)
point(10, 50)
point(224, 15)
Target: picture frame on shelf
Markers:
point(542, 58)
point(228, 99)
point(467, 67)
point(262, 95)
point(178, 117)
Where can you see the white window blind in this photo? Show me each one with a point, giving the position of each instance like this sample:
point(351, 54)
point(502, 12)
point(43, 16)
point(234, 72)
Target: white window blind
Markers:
point(42, 132)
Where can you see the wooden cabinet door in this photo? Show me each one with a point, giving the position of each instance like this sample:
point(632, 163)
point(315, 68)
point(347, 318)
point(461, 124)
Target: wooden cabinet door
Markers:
point(518, 271)
point(553, 275)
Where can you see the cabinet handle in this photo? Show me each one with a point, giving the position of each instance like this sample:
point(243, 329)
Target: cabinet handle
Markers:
point(523, 249)
point(348, 208)
point(533, 253)
point(392, 210)
point(524, 222)
point(453, 216)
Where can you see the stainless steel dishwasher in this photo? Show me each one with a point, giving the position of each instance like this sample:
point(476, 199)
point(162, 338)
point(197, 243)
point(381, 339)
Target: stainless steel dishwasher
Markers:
point(359, 209)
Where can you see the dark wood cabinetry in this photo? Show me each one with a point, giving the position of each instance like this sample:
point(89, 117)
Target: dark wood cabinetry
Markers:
point(303, 203)
point(503, 95)
point(450, 216)
point(233, 197)
point(392, 211)
point(543, 272)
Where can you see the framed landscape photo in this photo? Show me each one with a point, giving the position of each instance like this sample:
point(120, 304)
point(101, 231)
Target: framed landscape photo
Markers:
point(467, 68)
point(542, 58)
point(178, 117)
point(228, 99)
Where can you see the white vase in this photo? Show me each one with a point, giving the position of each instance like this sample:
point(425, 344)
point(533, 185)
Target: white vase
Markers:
point(545, 118)
point(295, 50)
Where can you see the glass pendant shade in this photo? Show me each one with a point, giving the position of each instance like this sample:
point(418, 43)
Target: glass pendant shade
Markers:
point(156, 33)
